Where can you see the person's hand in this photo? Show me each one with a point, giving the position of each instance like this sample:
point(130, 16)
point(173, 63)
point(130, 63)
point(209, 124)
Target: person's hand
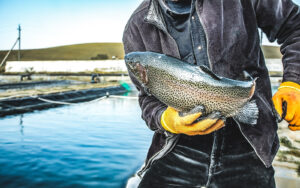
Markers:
point(174, 123)
point(287, 103)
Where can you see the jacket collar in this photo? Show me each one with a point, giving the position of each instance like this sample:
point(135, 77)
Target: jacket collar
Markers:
point(154, 16)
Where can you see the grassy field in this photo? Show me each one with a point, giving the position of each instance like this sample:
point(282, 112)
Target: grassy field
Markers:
point(90, 51)
point(86, 51)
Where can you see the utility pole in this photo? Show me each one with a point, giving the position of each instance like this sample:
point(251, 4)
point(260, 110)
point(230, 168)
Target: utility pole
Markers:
point(19, 53)
point(19, 38)
point(8, 53)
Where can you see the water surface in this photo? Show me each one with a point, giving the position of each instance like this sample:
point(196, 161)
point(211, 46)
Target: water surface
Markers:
point(88, 145)
point(98, 144)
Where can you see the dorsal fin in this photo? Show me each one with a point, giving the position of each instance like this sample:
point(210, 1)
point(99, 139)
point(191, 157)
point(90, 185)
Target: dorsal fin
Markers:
point(247, 76)
point(208, 71)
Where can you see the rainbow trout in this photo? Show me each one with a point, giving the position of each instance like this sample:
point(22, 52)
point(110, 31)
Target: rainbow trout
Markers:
point(189, 88)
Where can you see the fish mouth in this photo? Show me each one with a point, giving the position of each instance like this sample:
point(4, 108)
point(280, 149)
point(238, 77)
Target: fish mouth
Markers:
point(136, 68)
point(128, 60)
point(130, 66)
point(132, 61)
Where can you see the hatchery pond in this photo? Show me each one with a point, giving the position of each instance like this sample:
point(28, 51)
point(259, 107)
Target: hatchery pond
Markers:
point(98, 144)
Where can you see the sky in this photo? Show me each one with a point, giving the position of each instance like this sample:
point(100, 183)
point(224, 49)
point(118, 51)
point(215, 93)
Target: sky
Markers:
point(48, 23)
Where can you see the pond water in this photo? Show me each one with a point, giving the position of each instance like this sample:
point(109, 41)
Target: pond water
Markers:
point(99, 144)
point(87, 145)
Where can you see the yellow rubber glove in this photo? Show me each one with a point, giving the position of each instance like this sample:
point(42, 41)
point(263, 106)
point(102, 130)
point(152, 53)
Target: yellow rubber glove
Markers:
point(289, 93)
point(172, 122)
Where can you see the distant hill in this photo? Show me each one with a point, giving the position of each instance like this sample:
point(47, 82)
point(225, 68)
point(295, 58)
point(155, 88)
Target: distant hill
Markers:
point(86, 51)
point(90, 51)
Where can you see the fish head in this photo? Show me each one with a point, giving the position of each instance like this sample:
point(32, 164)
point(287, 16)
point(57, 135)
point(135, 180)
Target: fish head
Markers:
point(136, 66)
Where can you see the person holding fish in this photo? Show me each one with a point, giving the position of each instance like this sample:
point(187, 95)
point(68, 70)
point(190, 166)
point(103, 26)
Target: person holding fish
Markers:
point(205, 91)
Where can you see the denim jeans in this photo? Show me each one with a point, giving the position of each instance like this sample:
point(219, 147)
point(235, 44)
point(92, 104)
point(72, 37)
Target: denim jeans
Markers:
point(221, 159)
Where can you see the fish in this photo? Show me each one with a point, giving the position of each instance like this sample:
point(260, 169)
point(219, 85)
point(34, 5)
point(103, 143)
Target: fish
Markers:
point(191, 88)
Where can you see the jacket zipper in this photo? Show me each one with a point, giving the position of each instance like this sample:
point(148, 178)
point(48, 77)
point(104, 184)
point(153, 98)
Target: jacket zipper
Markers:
point(169, 145)
point(250, 143)
point(204, 29)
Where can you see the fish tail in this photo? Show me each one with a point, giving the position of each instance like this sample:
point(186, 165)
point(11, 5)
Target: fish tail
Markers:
point(248, 114)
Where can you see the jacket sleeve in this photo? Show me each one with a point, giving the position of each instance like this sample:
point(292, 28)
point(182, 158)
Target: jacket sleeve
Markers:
point(280, 19)
point(151, 107)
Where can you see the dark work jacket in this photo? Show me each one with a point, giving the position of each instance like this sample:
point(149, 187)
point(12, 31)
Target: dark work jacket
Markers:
point(233, 46)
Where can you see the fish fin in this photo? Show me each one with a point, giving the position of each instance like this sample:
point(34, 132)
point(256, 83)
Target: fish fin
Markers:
point(247, 76)
point(248, 114)
point(213, 115)
point(195, 110)
point(208, 71)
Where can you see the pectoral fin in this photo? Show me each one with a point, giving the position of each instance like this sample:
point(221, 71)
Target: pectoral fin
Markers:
point(247, 76)
point(197, 109)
